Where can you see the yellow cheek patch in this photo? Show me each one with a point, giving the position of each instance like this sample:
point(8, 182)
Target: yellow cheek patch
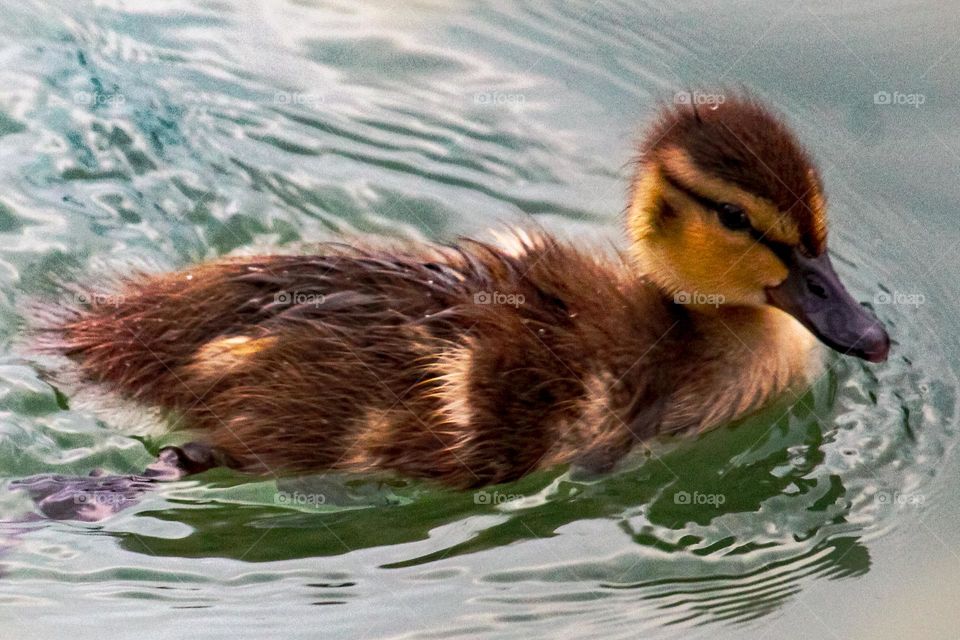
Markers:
point(737, 271)
point(763, 214)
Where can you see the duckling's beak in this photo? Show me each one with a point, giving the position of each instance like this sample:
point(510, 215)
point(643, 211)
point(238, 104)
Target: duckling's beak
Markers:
point(814, 295)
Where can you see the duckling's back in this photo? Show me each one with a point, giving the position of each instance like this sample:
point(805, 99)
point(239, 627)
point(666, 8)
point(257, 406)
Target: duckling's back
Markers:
point(467, 364)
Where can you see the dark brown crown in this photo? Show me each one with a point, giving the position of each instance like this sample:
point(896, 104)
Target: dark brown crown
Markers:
point(743, 142)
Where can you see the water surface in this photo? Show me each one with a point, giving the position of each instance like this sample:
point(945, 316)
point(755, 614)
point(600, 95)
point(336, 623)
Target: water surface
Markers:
point(163, 133)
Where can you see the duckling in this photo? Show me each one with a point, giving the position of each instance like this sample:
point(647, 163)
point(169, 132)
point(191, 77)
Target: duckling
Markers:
point(476, 363)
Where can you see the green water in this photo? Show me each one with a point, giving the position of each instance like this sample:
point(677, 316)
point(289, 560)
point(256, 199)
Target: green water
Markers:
point(163, 133)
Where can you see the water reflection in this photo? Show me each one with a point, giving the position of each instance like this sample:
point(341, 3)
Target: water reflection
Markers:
point(173, 132)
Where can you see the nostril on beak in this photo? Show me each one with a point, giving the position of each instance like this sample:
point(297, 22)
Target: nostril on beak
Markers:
point(817, 289)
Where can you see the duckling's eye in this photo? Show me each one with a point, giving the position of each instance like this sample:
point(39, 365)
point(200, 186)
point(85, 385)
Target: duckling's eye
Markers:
point(733, 217)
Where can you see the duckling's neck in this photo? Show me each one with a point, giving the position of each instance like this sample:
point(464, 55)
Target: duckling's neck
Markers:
point(742, 357)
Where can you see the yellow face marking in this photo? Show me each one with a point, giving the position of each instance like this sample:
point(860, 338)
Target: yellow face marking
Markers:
point(764, 215)
point(687, 251)
point(644, 205)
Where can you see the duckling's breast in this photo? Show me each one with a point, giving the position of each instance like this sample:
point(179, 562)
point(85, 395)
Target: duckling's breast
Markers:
point(738, 360)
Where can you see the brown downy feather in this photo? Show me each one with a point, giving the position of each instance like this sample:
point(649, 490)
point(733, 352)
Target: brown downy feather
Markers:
point(462, 364)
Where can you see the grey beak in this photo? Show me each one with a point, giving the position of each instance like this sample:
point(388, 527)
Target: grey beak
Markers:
point(814, 295)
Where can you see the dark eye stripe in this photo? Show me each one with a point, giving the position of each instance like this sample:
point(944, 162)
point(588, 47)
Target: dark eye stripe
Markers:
point(703, 201)
point(779, 249)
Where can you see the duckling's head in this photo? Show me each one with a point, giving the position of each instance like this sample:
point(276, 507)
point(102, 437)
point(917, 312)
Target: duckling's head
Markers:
point(727, 208)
